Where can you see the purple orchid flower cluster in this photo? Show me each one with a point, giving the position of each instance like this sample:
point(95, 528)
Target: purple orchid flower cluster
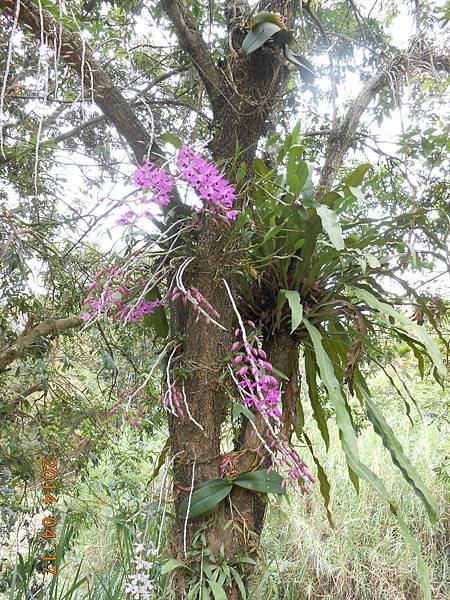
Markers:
point(261, 391)
point(117, 297)
point(259, 388)
point(212, 187)
point(215, 192)
point(157, 181)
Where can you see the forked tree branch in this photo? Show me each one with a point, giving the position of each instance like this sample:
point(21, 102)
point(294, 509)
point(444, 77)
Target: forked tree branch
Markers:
point(30, 336)
point(38, 386)
point(418, 58)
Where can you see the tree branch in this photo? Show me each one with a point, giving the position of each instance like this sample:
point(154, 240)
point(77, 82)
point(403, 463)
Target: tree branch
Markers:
point(78, 55)
point(418, 58)
point(75, 131)
point(29, 337)
point(192, 42)
point(38, 386)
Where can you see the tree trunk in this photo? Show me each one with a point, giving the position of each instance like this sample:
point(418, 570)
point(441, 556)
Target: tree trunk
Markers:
point(250, 90)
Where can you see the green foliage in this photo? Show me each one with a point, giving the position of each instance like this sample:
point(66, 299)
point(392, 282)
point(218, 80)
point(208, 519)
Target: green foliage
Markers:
point(265, 26)
point(205, 498)
point(260, 481)
point(158, 319)
point(293, 298)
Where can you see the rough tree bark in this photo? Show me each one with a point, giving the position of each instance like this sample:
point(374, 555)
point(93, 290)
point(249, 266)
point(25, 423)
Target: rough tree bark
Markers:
point(243, 94)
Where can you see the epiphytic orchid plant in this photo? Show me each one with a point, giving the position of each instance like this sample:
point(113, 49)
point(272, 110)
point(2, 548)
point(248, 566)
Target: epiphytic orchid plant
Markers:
point(302, 268)
point(123, 294)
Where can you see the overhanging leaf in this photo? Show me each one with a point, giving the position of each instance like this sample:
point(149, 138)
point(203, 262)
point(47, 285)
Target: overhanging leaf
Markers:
point(313, 393)
point(331, 226)
point(305, 67)
point(258, 36)
point(417, 348)
point(399, 458)
point(355, 178)
point(350, 447)
point(293, 298)
point(347, 433)
point(418, 330)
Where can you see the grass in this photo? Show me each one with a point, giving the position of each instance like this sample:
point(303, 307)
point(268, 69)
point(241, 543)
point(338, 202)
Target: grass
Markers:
point(363, 558)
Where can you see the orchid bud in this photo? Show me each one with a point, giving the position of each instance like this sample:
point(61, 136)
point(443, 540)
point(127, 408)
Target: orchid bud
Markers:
point(242, 371)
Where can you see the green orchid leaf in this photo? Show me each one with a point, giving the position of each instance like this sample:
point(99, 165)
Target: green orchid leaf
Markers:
point(158, 319)
point(305, 67)
point(173, 564)
point(313, 393)
point(412, 328)
point(217, 590)
point(293, 298)
point(261, 481)
point(297, 172)
point(241, 409)
point(331, 226)
point(161, 460)
point(239, 583)
point(395, 449)
point(347, 433)
point(205, 498)
point(356, 177)
point(258, 36)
